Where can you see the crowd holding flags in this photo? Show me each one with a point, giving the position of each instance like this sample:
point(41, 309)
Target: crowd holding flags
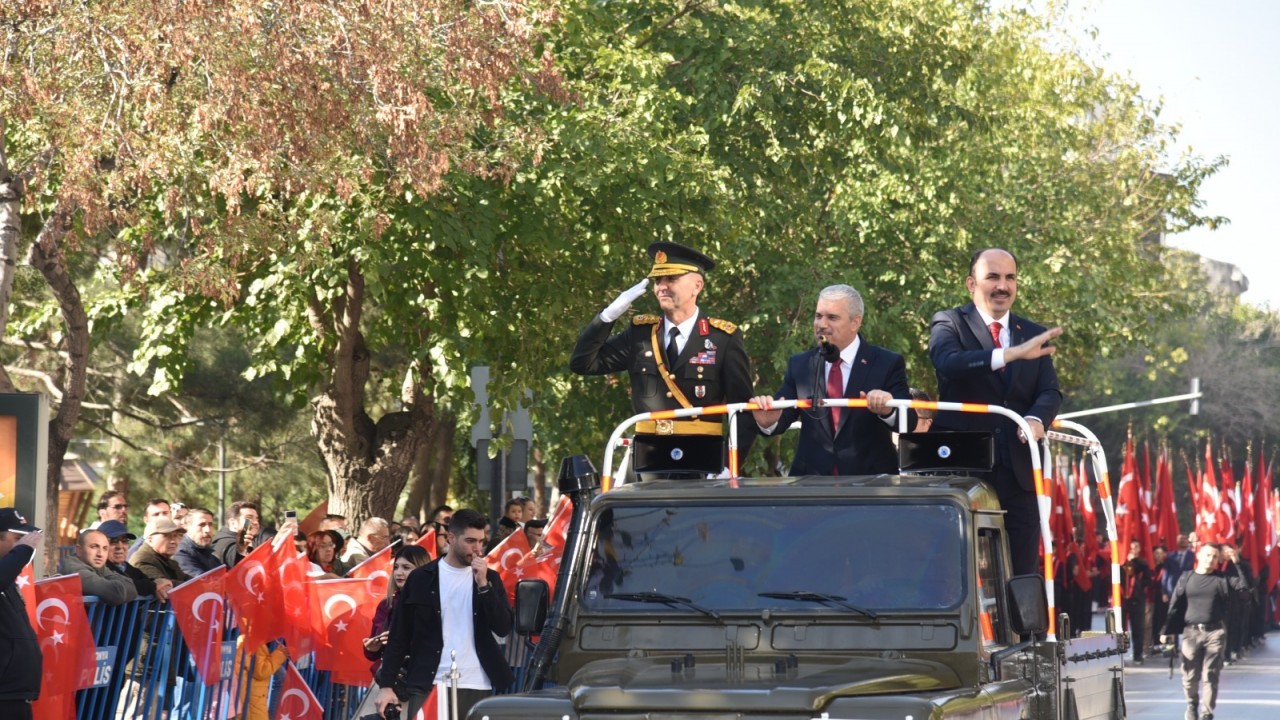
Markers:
point(1221, 509)
point(269, 594)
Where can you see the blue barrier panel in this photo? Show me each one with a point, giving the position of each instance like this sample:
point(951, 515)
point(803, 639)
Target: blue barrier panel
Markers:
point(145, 670)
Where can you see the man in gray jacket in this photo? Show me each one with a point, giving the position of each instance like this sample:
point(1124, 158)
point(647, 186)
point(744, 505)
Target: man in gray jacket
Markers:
point(90, 563)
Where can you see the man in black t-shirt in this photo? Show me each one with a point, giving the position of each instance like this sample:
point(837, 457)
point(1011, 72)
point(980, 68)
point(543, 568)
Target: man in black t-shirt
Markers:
point(1197, 610)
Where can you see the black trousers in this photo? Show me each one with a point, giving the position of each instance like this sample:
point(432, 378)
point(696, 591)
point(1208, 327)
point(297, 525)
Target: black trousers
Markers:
point(1135, 613)
point(1021, 521)
point(15, 710)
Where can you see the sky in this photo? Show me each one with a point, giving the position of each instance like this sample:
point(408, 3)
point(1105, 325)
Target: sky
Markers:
point(1216, 64)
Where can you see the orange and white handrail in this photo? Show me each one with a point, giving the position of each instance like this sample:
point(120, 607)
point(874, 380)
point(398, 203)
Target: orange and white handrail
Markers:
point(732, 409)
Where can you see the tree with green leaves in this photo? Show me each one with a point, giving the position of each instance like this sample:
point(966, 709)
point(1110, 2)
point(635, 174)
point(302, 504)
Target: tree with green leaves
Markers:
point(377, 210)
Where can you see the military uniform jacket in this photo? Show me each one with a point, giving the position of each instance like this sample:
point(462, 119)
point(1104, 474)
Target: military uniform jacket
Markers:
point(712, 369)
point(960, 346)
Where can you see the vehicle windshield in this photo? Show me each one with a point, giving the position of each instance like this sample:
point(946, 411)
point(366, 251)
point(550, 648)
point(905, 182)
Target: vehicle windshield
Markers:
point(885, 557)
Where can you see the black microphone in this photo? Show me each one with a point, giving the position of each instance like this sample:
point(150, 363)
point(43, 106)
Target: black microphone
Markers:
point(829, 352)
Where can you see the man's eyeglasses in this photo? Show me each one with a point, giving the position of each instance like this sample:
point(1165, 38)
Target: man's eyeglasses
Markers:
point(118, 507)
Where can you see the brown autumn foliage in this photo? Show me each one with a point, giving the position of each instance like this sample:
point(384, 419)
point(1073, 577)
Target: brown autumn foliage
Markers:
point(197, 118)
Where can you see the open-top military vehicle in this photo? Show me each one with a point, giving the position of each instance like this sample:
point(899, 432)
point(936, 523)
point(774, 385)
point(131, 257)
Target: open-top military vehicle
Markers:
point(867, 598)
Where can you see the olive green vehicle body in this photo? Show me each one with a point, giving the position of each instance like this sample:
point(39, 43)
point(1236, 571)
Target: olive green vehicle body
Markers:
point(941, 644)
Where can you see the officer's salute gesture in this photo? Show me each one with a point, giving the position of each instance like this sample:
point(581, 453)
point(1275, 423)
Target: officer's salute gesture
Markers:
point(679, 359)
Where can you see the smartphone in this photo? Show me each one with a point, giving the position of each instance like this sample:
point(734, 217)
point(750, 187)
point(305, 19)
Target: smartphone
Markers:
point(290, 515)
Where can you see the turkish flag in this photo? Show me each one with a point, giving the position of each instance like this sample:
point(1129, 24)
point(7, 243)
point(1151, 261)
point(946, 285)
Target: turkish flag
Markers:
point(344, 618)
point(543, 562)
point(506, 554)
point(198, 607)
point(377, 567)
point(295, 599)
point(428, 541)
point(1227, 505)
point(1128, 518)
point(254, 595)
point(435, 707)
point(1207, 509)
point(1084, 501)
point(297, 702)
point(66, 641)
point(1166, 508)
point(27, 588)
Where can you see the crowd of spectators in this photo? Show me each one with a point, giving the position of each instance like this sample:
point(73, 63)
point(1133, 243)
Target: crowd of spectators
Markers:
point(179, 542)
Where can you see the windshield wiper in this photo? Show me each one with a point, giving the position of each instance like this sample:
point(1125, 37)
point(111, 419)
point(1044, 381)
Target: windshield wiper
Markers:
point(665, 599)
point(810, 596)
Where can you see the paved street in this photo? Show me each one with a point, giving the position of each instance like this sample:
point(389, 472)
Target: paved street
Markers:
point(1248, 690)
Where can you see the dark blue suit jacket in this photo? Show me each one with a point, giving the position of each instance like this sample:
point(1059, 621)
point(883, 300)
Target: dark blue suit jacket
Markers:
point(960, 346)
point(863, 444)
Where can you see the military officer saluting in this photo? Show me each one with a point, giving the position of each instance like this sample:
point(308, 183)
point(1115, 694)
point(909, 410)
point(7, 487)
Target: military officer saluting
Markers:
point(680, 359)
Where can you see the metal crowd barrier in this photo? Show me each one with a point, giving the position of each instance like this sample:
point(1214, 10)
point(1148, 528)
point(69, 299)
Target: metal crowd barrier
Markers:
point(144, 670)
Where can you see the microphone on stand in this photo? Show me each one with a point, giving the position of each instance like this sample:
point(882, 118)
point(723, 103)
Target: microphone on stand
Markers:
point(829, 352)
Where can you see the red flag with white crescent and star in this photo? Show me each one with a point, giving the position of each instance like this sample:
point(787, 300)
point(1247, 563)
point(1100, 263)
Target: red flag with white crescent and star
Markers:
point(199, 607)
point(428, 541)
point(377, 567)
point(543, 562)
point(27, 588)
point(344, 618)
point(507, 553)
point(295, 599)
point(252, 592)
point(66, 642)
point(297, 702)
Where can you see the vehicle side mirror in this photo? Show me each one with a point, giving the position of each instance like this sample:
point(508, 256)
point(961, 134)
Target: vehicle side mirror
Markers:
point(532, 599)
point(1028, 606)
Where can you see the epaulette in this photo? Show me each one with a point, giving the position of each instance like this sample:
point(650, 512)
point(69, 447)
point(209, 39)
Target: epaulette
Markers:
point(724, 325)
point(646, 320)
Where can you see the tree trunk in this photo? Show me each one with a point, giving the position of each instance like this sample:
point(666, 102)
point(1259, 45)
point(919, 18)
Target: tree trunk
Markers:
point(541, 499)
point(47, 257)
point(420, 480)
point(442, 463)
point(368, 463)
point(11, 189)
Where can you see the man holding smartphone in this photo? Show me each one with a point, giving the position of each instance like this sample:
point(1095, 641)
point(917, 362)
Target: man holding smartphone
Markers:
point(449, 611)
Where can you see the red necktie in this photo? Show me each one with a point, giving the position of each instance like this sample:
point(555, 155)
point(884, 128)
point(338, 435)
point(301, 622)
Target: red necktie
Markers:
point(995, 334)
point(835, 390)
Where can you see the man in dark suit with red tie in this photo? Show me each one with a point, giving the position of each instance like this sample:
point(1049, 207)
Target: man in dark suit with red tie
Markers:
point(840, 441)
point(983, 353)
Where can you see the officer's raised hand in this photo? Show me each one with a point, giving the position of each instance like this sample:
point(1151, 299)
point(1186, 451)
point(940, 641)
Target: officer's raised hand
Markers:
point(623, 302)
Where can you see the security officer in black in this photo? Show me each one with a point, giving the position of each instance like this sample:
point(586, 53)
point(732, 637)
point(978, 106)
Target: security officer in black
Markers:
point(679, 359)
point(20, 655)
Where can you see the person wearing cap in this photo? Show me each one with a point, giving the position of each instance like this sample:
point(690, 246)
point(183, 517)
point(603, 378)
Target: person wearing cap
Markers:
point(156, 508)
point(155, 557)
point(840, 441)
point(90, 562)
point(682, 358)
point(118, 561)
point(20, 654)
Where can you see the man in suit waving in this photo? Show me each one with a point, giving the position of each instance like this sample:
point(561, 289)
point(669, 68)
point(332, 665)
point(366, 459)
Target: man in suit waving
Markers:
point(983, 353)
point(840, 441)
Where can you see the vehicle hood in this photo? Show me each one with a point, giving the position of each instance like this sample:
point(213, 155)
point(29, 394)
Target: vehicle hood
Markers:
point(651, 684)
